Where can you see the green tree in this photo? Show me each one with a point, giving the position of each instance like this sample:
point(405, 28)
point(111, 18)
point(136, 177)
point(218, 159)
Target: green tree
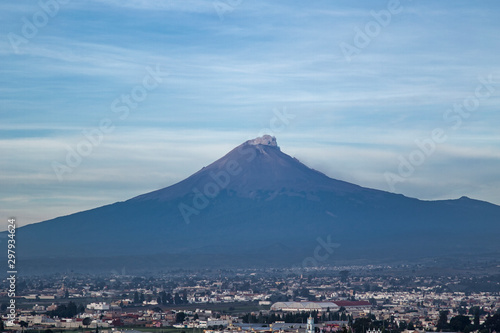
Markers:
point(179, 317)
point(493, 323)
point(86, 322)
point(361, 325)
point(177, 299)
point(344, 275)
point(477, 312)
point(136, 297)
point(162, 298)
point(23, 324)
point(72, 309)
point(442, 324)
point(459, 323)
point(65, 311)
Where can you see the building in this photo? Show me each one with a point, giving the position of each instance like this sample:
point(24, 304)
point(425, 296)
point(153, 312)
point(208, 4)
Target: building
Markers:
point(101, 306)
point(354, 305)
point(304, 306)
point(320, 306)
point(334, 326)
point(310, 325)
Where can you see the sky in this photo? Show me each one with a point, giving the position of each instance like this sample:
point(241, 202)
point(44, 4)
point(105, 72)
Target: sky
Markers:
point(103, 100)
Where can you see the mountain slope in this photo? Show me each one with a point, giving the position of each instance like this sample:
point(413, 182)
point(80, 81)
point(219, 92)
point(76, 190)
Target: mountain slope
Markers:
point(257, 200)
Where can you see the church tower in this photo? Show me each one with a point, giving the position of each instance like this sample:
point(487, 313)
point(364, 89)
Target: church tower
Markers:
point(310, 325)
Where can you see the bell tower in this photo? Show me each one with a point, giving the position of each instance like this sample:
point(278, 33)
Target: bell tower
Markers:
point(310, 325)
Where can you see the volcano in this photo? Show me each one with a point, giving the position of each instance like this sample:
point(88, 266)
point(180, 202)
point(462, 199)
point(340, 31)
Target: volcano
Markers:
point(257, 206)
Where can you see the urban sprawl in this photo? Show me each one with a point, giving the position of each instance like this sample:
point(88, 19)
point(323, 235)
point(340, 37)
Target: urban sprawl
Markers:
point(346, 299)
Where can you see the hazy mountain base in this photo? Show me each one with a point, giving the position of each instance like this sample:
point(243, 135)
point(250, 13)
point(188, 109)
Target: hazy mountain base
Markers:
point(159, 263)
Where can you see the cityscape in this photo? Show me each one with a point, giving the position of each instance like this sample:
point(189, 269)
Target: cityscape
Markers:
point(345, 299)
point(249, 166)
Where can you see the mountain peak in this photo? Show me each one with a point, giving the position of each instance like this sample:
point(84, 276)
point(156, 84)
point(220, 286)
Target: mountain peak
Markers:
point(265, 140)
point(249, 202)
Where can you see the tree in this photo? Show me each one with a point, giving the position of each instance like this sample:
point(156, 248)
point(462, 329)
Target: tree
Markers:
point(344, 275)
point(179, 317)
point(86, 322)
point(493, 323)
point(361, 325)
point(304, 292)
point(136, 297)
point(170, 299)
point(459, 323)
point(442, 324)
point(477, 312)
point(23, 324)
point(72, 309)
point(177, 299)
point(162, 298)
point(66, 311)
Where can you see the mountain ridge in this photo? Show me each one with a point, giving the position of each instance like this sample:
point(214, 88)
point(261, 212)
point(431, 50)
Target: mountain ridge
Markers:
point(257, 197)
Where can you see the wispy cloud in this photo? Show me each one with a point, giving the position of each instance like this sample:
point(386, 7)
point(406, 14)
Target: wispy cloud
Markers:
point(190, 6)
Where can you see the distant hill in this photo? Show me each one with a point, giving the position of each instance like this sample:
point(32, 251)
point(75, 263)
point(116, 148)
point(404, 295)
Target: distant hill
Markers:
point(257, 206)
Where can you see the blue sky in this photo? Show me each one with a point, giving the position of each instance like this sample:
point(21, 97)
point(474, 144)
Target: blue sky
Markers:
point(224, 70)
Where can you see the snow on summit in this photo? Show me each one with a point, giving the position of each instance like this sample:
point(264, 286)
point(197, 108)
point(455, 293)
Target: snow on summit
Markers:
point(265, 140)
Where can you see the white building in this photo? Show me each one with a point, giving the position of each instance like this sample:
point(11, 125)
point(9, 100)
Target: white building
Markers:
point(101, 306)
point(217, 322)
point(310, 325)
point(304, 306)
